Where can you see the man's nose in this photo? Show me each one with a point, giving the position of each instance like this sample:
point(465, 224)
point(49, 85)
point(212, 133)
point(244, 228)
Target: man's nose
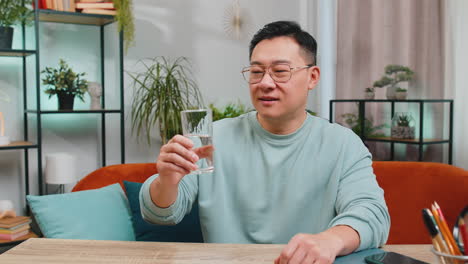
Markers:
point(267, 81)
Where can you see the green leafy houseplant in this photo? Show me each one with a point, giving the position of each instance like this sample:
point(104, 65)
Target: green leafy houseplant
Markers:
point(12, 12)
point(354, 122)
point(162, 91)
point(64, 83)
point(125, 21)
point(394, 74)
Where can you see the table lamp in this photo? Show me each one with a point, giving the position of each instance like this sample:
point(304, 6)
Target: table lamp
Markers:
point(60, 170)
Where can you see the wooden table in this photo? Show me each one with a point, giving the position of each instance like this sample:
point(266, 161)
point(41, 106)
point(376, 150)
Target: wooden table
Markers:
point(42, 250)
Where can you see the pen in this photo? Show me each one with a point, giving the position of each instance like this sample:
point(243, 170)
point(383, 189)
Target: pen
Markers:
point(431, 226)
point(446, 231)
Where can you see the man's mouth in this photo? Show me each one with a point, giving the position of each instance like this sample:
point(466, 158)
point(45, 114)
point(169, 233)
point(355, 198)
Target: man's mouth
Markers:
point(268, 99)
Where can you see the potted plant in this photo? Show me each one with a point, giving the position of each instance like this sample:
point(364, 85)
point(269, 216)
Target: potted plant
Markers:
point(162, 91)
point(370, 131)
point(402, 126)
point(11, 13)
point(369, 93)
point(64, 83)
point(401, 94)
point(125, 21)
point(394, 74)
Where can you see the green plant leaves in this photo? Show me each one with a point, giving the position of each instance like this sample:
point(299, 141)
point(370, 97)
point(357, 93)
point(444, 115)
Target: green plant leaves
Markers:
point(14, 11)
point(64, 80)
point(161, 91)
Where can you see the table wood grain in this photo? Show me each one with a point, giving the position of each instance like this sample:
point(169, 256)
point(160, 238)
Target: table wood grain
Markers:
point(42, 250)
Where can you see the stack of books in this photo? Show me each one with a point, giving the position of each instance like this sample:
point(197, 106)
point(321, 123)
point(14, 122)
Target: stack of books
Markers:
point(12, 228)
point(96, 7)
point(59, 5)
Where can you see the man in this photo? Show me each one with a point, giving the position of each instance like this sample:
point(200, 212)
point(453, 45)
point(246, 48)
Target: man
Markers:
point(281, 175)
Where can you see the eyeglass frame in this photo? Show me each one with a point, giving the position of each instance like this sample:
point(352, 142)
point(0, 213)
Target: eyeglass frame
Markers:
point(268, 69)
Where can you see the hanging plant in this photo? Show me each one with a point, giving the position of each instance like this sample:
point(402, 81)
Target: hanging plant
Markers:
point(125, 21)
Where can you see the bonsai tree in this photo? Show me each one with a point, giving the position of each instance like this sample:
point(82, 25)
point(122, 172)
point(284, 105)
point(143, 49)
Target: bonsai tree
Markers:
point(394, 74)
point(162, 91)
point(64, 83)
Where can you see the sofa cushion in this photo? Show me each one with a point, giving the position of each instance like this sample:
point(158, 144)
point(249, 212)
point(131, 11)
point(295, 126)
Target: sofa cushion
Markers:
point(188, 230)
point(100, 214)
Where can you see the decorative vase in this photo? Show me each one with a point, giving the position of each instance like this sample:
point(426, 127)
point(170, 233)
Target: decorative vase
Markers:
point(402, 126)
point(65, 101)
point(391, 92)
point(95, 92)
point(401, 95)
point(6, 37)
point(369, 95)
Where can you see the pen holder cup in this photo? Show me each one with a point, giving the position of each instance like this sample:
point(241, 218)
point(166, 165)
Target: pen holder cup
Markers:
point(443, 258)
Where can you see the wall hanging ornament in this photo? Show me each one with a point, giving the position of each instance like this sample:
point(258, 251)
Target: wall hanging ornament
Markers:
point(236, 21)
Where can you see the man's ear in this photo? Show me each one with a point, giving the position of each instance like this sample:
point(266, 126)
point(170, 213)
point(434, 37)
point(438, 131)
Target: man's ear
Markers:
point(314, 72)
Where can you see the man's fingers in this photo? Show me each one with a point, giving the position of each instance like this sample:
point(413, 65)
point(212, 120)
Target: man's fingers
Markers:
point(180, 150)
point(178, 160)
point(298, 256)
point(288, 252)
point(182, 140)
point(204, 152)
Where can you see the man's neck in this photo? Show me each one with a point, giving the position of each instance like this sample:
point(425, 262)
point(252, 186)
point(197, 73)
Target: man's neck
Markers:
point(282, 126)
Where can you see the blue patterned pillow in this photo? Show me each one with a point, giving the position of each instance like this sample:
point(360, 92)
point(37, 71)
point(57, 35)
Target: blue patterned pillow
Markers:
point(188, 230)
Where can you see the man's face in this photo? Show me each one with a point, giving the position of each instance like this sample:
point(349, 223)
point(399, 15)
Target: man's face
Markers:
point(282, 101)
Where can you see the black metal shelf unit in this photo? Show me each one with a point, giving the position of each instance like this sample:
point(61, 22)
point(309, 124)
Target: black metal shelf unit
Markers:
point(420, 141)
point(99, 21)
point(52, 16)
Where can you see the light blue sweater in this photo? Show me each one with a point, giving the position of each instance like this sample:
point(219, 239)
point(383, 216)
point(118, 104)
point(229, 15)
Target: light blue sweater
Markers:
point(266, 188)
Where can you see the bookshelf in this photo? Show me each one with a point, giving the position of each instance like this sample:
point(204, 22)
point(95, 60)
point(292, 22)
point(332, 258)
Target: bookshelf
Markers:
point(420, 139)
point(33, 110)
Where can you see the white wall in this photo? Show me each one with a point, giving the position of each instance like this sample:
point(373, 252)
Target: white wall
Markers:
point(172, 28)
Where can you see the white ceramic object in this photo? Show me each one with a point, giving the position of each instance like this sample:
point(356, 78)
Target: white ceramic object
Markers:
point(95, 92)
point(4, 140)
point(7, 209)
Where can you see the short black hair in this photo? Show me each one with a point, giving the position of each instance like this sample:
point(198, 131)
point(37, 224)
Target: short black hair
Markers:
point(288, 29)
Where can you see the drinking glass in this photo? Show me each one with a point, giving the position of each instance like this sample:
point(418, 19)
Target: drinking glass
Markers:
point(197, 125)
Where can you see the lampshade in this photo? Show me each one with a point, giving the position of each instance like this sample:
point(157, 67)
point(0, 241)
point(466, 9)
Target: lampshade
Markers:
point(60, 168)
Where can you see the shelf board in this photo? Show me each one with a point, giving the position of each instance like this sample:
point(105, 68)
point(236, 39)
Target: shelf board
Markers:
point(74, 111)
point(392, 100)
point(47, 15)
point(407, 141)
point(18, 145)
point(16, 52)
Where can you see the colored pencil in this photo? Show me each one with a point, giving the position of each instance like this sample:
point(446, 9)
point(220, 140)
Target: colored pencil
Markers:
point(446, 231)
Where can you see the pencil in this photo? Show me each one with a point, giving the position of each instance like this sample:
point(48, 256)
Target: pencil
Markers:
point(436, 238)
point(451, 250)
point(464, 234)
point(434, 232)
point(446, 231)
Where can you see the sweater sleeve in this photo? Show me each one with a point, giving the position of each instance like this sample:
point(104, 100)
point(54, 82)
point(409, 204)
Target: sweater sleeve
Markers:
point(360, 201)
point(172, 215)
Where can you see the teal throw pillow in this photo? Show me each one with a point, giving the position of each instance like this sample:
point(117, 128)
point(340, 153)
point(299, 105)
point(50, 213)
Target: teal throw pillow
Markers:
point(188, 230)
point(100, 214)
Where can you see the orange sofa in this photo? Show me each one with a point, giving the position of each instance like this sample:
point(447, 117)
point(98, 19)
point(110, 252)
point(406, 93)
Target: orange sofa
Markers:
point(409, 187)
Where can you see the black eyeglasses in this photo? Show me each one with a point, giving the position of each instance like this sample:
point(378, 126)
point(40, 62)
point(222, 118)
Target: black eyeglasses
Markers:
point(279, 72)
